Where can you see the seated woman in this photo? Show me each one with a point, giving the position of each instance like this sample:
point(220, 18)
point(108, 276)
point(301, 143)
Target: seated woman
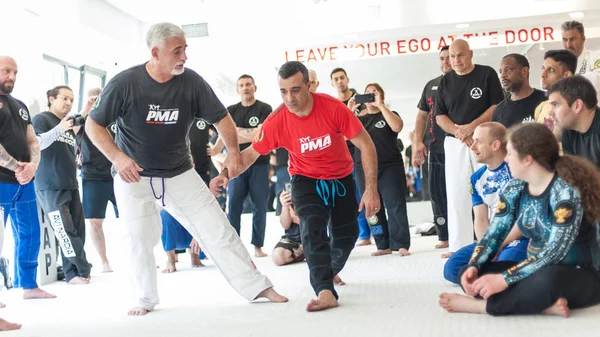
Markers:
point(555, 202)
point(391, 233)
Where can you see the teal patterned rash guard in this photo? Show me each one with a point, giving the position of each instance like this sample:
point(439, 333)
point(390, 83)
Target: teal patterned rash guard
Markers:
point(551, 221)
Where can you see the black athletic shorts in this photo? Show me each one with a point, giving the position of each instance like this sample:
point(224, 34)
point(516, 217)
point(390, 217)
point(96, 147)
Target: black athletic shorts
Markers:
point(96, 195)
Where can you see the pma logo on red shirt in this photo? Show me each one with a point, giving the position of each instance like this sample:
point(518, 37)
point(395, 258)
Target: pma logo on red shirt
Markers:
point(156, 115)
point(316, 144)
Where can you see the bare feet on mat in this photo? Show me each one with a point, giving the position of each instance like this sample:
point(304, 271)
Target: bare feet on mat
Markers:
point(29, 294)
point(337, 280)
point(137, 311)
point(272, 296)
point(258, 252)
point(461, 303)
point(381, 252)
point(170, 268)
point(446, 255)
point(78, 280)
point(403, 252)
point(441, 244)
point(195, 261)
point(560, 308)
point(2, 305)
point(6, 326)
point(363, 242)
point(325, 300)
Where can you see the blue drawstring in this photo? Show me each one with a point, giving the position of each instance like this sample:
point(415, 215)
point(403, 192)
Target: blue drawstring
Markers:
point(162, 196)
point(323, 190)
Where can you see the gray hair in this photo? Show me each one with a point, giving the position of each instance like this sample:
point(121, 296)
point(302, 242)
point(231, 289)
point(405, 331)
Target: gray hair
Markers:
point(568, 25)
point(159, 32)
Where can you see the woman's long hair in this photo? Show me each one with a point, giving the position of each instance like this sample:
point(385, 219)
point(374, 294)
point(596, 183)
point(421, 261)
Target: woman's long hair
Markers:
point(537, 141)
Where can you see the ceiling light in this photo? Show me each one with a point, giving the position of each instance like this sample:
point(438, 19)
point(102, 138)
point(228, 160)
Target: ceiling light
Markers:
point(462, 25)
point(576, 15)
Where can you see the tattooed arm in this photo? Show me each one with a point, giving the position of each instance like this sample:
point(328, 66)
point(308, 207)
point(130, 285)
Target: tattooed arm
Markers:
point(6, 160)
point(26, 171)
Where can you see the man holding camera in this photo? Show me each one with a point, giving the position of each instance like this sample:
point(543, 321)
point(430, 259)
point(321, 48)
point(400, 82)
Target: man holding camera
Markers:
point(56, 181)
point(289, 248)
point(96, 181)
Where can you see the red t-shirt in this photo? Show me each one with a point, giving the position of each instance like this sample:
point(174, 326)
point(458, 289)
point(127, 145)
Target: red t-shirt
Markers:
point(316, 142)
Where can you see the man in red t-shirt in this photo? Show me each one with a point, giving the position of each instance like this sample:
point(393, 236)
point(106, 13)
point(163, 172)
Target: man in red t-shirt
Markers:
point(312, 128)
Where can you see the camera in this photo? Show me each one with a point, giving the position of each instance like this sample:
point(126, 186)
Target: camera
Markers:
point(366, 98)
point(288, 187)
point(78, 120)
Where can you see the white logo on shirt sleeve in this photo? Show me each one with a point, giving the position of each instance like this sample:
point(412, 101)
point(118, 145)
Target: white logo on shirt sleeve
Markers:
point(23, 113)
point(201, 125)
point(476, 93)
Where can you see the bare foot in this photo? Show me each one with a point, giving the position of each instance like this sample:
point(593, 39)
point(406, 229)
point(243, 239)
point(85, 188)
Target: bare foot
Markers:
point(78, 280)
point(2, 305)
point(29, 294)
point(560, 308)
point(106, 268)
point(363, 242)
point(380, 252)
point(403, 252)
point(258, 252)
point(137, 311)
point(337, 280)
point(462, 303)
point(6, 326)
point(446, 255)
point(272, 296)
point(325, 300)
point(195, 261)
point(441, 244)
point(170, 267)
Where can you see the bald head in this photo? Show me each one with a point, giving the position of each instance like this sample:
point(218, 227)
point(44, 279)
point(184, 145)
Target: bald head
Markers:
point(461, 57)
point(94, 92)
point(8, 74)
point(495, 132)
point(312, 78)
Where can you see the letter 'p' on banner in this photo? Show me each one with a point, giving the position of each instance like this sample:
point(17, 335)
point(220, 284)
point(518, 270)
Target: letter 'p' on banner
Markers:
point(47, 267)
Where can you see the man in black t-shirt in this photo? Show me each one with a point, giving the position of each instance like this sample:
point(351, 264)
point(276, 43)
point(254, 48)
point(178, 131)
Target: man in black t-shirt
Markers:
point(154, 105)
point(575, 108)
point(466, 97)
point(289, 248)
point(248, 115)
point(340, 81)
point(19, 159)
point(56, 184)
point(520, 106)
point(96, 182)
point(429, 145)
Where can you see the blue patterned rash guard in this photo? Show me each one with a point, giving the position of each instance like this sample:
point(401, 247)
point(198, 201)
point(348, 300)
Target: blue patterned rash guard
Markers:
point(551, 221)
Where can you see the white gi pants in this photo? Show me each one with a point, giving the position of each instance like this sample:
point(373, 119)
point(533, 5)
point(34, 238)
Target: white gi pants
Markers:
point(187, 199)
point(460, 165)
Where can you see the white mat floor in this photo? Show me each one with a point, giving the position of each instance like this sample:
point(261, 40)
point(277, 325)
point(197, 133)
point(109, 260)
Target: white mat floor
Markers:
point(385, 296)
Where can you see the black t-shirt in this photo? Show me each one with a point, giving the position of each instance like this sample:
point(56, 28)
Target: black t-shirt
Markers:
point(383, 137)
point(249, 117)
point(586, 145)
point(154, 119)
point(198, 142)
point(434, 135)
point(464, 98)
point(14, 119)
point(408, 152)
point(57, 170)
point(293, 233)
point(281, 157)
point(509, 112)
point(94, 165)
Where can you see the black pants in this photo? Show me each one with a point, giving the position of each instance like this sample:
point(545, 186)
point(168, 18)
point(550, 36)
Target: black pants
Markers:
point(391, 184)
point(536, 293)
point(69, 229)
point(425, 189)
point(437, 190)
point(326, 256)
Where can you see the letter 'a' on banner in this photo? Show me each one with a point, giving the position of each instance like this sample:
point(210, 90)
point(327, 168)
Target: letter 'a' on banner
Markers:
point(47, 267)
point(61, 234)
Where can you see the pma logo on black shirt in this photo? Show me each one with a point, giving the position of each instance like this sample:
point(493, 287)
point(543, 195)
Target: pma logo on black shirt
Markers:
point(156, 115)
